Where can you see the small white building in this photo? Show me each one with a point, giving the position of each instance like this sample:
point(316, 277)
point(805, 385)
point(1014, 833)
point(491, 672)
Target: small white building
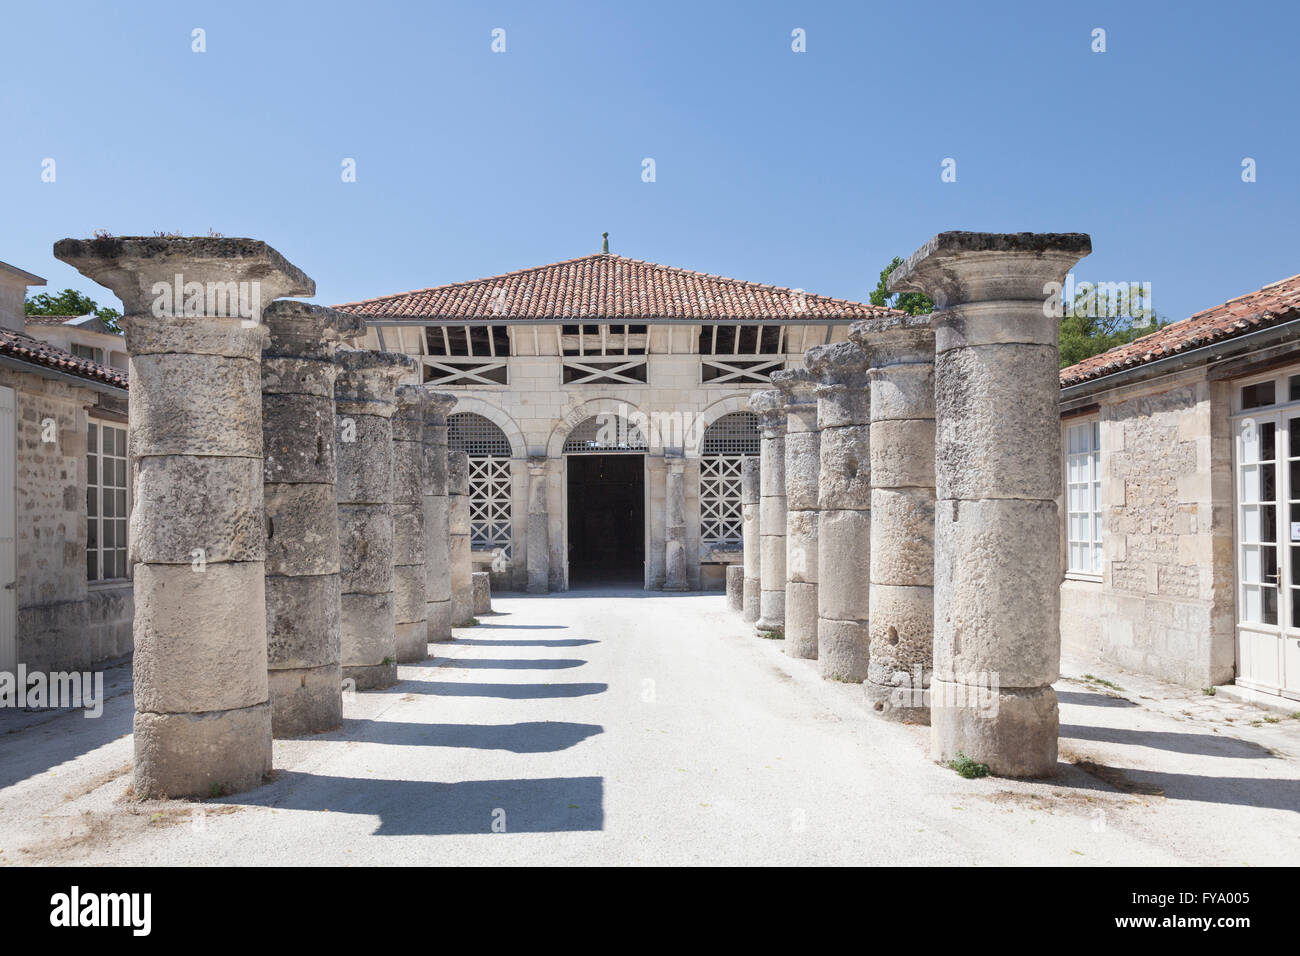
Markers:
point(1181, 539)
point(582, 383)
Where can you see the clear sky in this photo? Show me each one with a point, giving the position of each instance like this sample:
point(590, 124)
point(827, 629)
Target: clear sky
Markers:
point(807, 170)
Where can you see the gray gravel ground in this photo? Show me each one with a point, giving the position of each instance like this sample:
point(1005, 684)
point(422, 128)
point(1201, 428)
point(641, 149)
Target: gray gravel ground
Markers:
point(625, 727)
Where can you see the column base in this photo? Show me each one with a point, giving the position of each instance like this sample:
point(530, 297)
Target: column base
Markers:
point(904, 705)
point(1012, 730)
point(843, 650)
point(202, 755)
point(306, 700)
point(371, 676)
point(412, 642)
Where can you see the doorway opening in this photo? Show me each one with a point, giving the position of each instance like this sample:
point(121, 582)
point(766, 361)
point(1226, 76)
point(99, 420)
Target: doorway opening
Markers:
point(606, 519)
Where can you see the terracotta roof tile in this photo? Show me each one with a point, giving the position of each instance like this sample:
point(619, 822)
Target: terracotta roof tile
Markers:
point(1271, 305)
point(35, 352)
point(609, 287)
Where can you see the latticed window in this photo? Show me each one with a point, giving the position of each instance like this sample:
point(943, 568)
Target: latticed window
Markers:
point(741, 354)
point(489, 479)
point(607, 432)
point(727, 442)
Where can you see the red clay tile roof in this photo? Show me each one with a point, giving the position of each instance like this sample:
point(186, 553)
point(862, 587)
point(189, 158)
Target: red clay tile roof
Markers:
point(49, 319)
point(35, 352)
point(606, 286)
point(1271, 305)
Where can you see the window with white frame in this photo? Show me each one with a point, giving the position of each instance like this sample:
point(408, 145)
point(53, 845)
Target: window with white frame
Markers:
point(106, 502)
point(1083, 497)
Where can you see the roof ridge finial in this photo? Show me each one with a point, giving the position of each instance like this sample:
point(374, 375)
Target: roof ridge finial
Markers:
point(604, 242)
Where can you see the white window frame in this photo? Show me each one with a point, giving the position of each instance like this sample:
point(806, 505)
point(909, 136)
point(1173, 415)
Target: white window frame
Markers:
point(1268, 655)
point(1089, 460)
point(98, 490)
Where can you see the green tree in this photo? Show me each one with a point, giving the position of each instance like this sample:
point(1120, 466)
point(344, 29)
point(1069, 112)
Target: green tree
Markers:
point(913, 303)
point(71, 302)
point(1089, 331)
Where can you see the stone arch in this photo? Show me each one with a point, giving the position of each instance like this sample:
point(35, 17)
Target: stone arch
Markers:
point(723, 406)
point(514, 434)
point(580, 413)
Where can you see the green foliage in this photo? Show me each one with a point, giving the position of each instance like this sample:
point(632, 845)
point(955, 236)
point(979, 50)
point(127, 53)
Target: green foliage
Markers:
point(967, 767)
point(913, 303)
point(1086, 333)
point(71, 302)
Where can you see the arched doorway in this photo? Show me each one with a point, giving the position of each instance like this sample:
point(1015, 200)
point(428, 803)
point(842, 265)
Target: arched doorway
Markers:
point(606, 501)
point(488, 450)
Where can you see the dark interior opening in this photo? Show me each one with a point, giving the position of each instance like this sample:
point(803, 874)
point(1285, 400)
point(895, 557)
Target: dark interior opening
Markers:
point(606, 519)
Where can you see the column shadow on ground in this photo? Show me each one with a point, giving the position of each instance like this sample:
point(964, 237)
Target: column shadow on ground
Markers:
point(1264, 792)
point(1092, 700)
point(1209, 745)
point(412, 685)
point(421, 808)
point(558, 642)
point(510, 664)
point(532, 737)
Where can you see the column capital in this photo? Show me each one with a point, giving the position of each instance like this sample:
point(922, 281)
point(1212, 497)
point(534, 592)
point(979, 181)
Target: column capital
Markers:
point(370, 379)
point(840, 364)
point(537, 465)
point(675, 461)
point(796, 385)
point(136, 268)
point(303, 330)
point(438, 408)
point(896, 340)
point(769, 405)
point(956, 268)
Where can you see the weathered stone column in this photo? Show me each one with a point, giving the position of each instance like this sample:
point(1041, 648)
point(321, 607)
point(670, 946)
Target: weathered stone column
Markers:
point(481, 584)
point(365, 394)
point(410, 573)
point(844, 519)
point(539, 552)
point(302, 531)
point(437, 526)
point(770, 407)
point(198, 538)
point(462, 562)
point(900, 355)
point(802, 466)
point(735, 587)
point(749, 498)
point(997, 477)
point(675, 576)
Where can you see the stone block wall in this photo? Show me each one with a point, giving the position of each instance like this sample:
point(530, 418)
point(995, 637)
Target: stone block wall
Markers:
point(64, 622)
point(1165, 603)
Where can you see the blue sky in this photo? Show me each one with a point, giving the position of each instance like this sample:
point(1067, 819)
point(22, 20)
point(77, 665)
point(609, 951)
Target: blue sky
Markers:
point(807, 170)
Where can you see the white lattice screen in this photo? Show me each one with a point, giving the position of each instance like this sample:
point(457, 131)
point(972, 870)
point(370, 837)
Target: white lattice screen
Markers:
point(489, 479)
point(727, 442)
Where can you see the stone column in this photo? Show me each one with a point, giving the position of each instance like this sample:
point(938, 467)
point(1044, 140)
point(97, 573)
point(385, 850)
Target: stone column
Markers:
point(198, 537)
point(365, 394)
point(410, 572)
point(900, 355)
point(844, 519)
point(749, 497)
point(997, 477)
point(437, 526)
point(302, 533)
point(770, 407)
point(539, 552)
point(675, 572)
point(735, 585)
point(462, 563)
point(801, 469)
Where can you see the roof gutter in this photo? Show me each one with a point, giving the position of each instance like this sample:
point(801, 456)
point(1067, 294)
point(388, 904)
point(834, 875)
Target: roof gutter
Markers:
point(44, 371)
